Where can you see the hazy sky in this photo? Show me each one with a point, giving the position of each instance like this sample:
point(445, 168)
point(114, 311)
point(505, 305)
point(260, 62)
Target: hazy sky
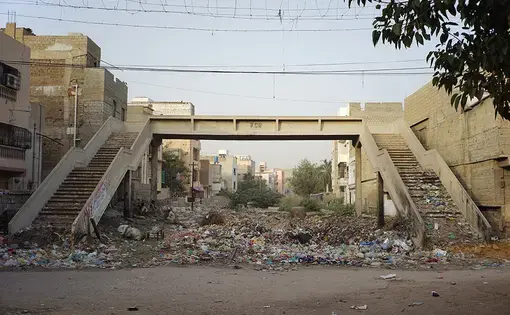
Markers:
point(249, 94)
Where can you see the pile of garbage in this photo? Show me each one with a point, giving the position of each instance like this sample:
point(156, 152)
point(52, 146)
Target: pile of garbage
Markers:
point(263, 239)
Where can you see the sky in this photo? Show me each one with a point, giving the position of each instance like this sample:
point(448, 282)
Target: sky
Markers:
point(290, 43)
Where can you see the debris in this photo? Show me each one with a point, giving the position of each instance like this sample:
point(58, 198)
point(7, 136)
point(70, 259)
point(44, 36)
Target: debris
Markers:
point(389, 276)
point(122, 228)
point(453, 283)
point(416, 304)
point(133, 233)
point(359, 307)
point(267, 306)
point(132, 309)
point(435, 294)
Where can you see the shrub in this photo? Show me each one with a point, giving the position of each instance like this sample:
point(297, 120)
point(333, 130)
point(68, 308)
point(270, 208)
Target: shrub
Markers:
point(311, 204)
point(287, 202)
point(339, 207)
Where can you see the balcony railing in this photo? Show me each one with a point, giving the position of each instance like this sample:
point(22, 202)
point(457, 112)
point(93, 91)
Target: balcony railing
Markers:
point(14, 136)
point(12, 153)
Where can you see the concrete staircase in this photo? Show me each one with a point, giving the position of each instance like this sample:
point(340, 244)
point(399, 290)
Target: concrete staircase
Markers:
point(444, 223)
point(71, 196)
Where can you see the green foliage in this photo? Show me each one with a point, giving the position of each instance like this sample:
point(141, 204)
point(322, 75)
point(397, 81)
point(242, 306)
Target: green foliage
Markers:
point(339, 207)
point(471, 58)
point(287, 202)
point(175, 172)
point(310, 178)
point(311, 204)
point(326, 169)
point(254, 191)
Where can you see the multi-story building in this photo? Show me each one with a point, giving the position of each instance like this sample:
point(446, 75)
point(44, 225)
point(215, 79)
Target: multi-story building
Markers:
point(187, 150)
point(77, 99)
point(21, 123)
point(206, 178)
point(228, 168)
point(280, 181)
point(270, 176)
point(245, 166)
point(142, 176)
point(474, 143)
point(373, 114)
point(216, 178)
point(340, 163)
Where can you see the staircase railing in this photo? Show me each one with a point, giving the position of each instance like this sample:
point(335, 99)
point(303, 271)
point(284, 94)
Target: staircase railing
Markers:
point(382, 162)
point(74, 157)
point(431, 159)
point(125, 159)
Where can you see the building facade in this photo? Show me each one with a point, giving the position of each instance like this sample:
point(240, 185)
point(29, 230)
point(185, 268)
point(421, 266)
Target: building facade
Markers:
point(187, 150)
point(228, 168)
point(245, 166)
point(205, 178)
point(21, 123)
point(373, 114)
point(91, 92)
point(474, 143)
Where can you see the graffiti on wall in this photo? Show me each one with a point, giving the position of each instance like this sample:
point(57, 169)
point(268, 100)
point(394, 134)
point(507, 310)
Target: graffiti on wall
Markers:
point(95, 202)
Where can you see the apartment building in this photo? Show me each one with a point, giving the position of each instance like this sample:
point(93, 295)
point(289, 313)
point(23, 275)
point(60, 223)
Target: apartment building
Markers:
point(245, 166)
point(228, 168)
point(21, 123)
point(187, 150)
point(77, 100)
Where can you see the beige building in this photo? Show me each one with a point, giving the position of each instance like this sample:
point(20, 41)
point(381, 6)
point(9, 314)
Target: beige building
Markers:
point(187, 150)
point(344, 167)
point(21, 123)
point(245, 166)
point(94, 90)
point(228, 168)
point(474, 143)
point(142, 176)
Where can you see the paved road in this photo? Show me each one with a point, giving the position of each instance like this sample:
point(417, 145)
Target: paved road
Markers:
point(204, 290)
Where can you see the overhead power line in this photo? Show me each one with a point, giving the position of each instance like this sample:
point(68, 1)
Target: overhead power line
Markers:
point(196, 29)
point(246, 96)
point(379, 71)
point(200, 14)
point(279, 66)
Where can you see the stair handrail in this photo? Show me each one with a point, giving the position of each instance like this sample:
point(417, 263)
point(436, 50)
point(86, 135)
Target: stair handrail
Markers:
point(73, 157)
point(431, 159)
point(382, 162)
point(124, 160)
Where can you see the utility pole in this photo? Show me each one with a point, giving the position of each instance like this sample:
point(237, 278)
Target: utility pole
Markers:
point(75, 112)
point(191, 186)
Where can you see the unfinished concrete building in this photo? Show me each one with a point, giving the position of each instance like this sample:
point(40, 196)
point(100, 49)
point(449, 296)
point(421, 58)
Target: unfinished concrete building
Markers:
point(475, 144)
point(91, 92)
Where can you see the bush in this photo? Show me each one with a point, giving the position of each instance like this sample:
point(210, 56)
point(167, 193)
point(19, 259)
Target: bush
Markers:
point(287, 202)
point(339, 207)
point(311, 204)
point(254, 191)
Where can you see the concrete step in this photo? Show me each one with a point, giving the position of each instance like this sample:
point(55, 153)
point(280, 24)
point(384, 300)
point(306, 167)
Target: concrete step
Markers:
point(70, 199)
point(68, 208)
point(60, 213)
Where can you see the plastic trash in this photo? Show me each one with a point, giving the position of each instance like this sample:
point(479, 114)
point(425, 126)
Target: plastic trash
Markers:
point(435, 294)
point(359, 307)
point(388, 276)
point(416, 304)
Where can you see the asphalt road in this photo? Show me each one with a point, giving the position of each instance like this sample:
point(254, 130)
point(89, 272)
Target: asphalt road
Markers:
point(206, 290)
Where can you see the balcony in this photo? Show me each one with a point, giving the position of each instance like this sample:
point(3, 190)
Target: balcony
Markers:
point(14, 136)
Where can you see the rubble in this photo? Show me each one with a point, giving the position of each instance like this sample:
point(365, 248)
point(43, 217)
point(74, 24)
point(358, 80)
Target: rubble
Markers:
point(273, 240)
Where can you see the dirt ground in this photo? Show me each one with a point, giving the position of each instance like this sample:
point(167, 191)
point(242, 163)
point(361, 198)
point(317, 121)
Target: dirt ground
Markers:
point(207, 290)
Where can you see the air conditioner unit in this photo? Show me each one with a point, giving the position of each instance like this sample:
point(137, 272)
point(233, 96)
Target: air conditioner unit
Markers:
point(12, 81)
point(16, 183)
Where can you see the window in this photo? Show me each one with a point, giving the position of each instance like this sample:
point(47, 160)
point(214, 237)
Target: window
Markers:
point(114, 108)
point(234, 171)
point(10, 81)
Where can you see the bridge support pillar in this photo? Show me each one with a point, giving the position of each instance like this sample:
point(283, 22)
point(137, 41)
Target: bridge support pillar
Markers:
point(155, 144)
point(128, 209)
point(380, 200)
point(358, 193)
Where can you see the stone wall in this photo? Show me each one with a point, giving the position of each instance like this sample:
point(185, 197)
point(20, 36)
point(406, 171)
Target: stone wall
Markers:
point(470, 142)
point(10, 203)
